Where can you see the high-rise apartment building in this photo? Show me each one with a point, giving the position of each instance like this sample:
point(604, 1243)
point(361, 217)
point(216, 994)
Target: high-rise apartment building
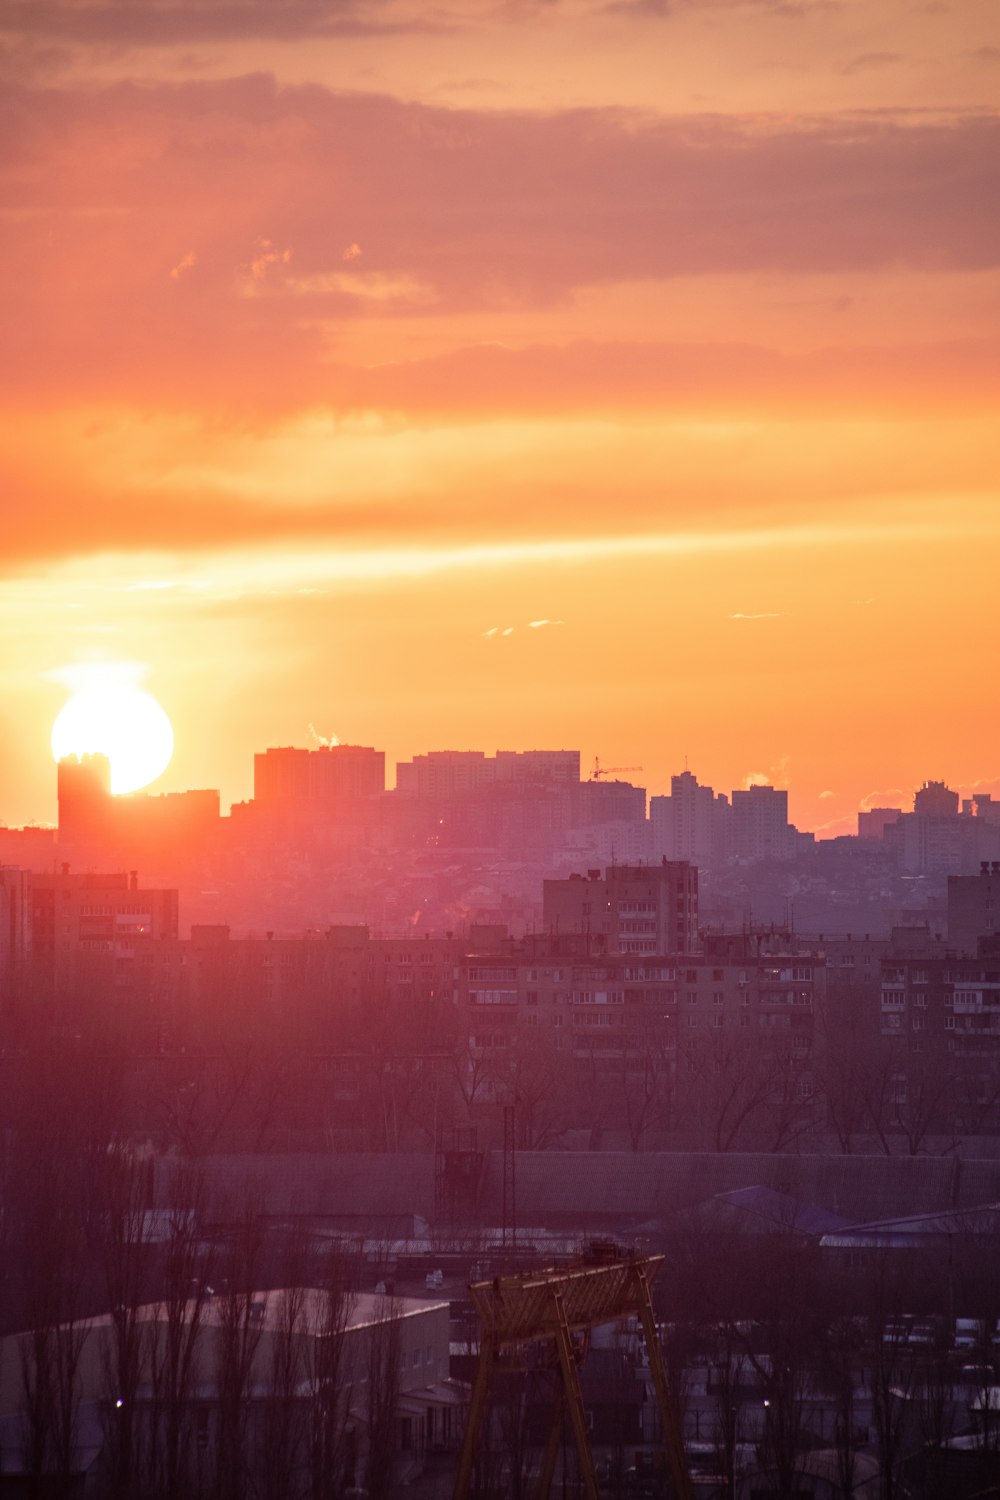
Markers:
point(692, 823)
point(287, 778)
point(760, 827)
point(630, 909)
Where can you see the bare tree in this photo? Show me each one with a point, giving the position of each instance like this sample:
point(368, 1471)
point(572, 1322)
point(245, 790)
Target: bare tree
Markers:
point(890, 1288)
point(60, 1121)
point(329, 1315)
point(240, 1312)
point(125, 1251)
point(175, 1461)
point(278, 1472)
point(384, 1346)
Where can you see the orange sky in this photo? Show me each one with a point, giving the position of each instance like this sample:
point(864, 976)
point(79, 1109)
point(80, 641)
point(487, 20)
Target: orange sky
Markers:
point(337, 336)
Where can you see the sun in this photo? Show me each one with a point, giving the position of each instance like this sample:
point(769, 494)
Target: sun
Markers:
point(109, 715)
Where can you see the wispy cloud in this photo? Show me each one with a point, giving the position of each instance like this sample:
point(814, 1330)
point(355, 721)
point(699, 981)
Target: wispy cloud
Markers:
point(767, 615)
point(171, 23)
point(892, 796)
point(777, 775)
point(266, 257)
point(866, 61)
point(185, 263)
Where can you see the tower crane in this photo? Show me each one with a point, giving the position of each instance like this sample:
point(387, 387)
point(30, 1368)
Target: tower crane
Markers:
point(600, 770)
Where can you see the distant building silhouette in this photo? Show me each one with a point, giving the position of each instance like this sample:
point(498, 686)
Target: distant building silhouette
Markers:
point(873, 821)
point(83, 786)
point(630, 909)
point(760, 827)
point(974, 908)
point(287, 778)
point(450, 773)
point(692, 823)
point(935, 800)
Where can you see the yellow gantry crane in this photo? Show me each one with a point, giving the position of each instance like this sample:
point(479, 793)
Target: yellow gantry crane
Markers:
point(546, 1308)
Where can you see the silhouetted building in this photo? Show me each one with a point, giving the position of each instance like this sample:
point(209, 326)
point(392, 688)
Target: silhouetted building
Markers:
point(83, 931)
point(873, 822)
point(974, 907)
point(83, 787)
point(15, 937)
point(692, 823)
point(453, 773)
point(286, 778)
point(760, 827)
point(631, 909)
point(935, 800)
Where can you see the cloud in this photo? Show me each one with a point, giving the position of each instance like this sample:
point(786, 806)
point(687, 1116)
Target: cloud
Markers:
point(184, 264)
point(865, 62)
point(171, 23)
point(266, 257)
point(351, 252)
point(640, 10)
point(470, 210)
point(892, 796)
point(763, 616)
point(776, 776)
point(825, 796)
point(508, 630)
point(368, 286)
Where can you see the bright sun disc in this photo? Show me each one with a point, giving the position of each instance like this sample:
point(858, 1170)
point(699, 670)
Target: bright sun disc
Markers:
point(122, 722)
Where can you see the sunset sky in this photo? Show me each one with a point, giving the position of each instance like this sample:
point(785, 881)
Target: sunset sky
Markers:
point(616, 376)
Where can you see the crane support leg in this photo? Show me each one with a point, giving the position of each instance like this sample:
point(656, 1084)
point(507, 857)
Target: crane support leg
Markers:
point(477, 1408)
point(574, 1398)
point(672, 1439)
point(552, 1447)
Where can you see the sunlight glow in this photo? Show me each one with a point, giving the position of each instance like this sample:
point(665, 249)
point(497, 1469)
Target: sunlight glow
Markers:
point(109, 715)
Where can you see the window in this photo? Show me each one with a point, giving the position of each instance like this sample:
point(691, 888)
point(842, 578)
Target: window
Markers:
point(493, 997)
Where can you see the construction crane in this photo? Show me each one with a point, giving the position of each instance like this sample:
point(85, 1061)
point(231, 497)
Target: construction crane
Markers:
point(600, 770)
point(553, 1312)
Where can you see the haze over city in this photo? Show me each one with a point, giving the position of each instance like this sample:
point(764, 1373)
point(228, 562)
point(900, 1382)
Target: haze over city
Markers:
point(499, 772)
point(620, 376)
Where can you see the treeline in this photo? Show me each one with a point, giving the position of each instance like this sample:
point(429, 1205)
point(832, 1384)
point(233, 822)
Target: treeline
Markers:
point(186, 1349)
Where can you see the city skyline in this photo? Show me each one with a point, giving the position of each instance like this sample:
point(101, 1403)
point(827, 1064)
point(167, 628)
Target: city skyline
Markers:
point(665, 782)
point(614, 375)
